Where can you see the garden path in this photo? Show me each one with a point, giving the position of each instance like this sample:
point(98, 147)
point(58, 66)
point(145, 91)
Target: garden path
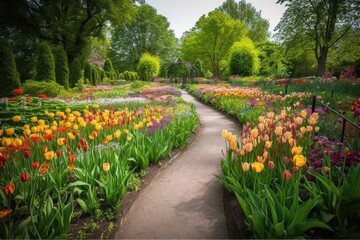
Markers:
point(185, 199)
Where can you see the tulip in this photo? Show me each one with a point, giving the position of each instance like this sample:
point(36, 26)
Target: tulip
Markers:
point(71, 158)
point(296, 150)
point(24, 177)
point(106, 167)
point(303, 113)
point(35, 165)
point(117, 134)
point(5, 212)
point(58, 153)
point(248, 147)
point(271, 164)
point(49, 155)
point(16, 118)
point(43, 170)
point(287, 175)
point(346, 151)
point(9, 131)
point(26, 154)
point(327, 169)
point(257, 167)
point(61, 141)
point(18, 91)
point(299, 160)
point(260, 159)
point(278, 131)
point(245, 166)
point(71, 167)
point(17, 142)
point(129, 139)
point(9, 189)
point(1, 132)
point(268, 144)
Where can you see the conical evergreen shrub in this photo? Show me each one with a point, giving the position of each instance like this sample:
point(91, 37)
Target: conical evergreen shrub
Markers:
point(45, 64)
point(61, 67)
point(75, 72)
point(9, 77)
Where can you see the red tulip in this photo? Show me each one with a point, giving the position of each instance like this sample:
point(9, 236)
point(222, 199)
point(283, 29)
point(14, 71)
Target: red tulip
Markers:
point(18, 91)
point(58, 153)
point(26, 154)
point(35, 165)
point(287, 175)
point(24, 177)
point(9, 189)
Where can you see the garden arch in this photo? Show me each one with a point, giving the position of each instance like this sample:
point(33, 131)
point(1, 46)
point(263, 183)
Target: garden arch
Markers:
point(189, 75)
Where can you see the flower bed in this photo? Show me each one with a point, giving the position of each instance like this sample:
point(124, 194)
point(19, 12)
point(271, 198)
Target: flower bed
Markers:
point(65, 161)
point(289, 180)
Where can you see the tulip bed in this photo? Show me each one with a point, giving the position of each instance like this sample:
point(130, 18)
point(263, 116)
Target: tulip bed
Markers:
point(290, 179)
point(63, 158)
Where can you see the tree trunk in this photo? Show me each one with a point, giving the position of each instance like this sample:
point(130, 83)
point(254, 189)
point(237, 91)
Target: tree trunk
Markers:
point(322, 60)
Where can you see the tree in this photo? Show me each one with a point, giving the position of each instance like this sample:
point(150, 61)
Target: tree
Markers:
point(258, 27)
point(200, 70)
point(149, 67)
point(147, 32)
point(67, 23)
point(75, 72)
point(61, 67)
point(244, 58)
point(9, 77)
point(45, 63)
point(211, 39)
point(272, 59)
point(318, 23)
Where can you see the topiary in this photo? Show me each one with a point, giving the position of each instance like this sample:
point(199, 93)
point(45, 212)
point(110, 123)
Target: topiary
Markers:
point(244, 60)
point(148, 67)
point(9, 77)
point(50, 89)
point(61, 67)
point(88, 73)
point(75, 72)
point(109, 70)
point(45, 63)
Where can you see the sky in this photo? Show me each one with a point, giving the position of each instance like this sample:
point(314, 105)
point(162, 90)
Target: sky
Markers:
point(183, 14)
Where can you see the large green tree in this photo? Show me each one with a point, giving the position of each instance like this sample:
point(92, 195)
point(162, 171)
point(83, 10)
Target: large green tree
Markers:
point(9, 77)
point(317, 23)
point(272, 59)
point(147, 32)
point(258, 27)
point(68, 23)
point(211, 39)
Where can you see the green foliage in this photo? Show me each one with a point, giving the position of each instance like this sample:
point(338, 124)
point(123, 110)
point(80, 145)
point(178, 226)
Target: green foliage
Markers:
point(9, 77)
point(75, 72)
point(211, 40)
point(88, 76)
point(272, 60)
point(148, 67)
point(159, 40)
point(45, 63)
point(109, 70)
point(129, 76)
point(258, 27)
point(244, 58)
point(61, 67)
point(34, 88)
point(198, 65)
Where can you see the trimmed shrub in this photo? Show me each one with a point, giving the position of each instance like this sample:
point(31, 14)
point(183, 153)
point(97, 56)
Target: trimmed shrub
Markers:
point(75, 72)
point(198, 65)
point(109, 70)
point(102, 74)
point(61, 67)
point(9, 77)
point(148, 67)
point(88, 73)
point(50, 89)
point(244, 60)
point(45, 64)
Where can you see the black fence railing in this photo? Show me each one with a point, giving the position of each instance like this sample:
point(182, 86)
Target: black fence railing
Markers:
point(345, 119)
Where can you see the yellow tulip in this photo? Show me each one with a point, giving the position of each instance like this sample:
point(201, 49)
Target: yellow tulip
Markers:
point(6, 142)
point(106, 167)
point(17, 142)
point(16, 118)
point(49, 155)
point(1, 132)
point(34, 119)
point(129, 139)
point(61, 141)
point(109, 137)
point(299, 160)
point(117, 134)
point(296, 150)
point(268, 144)
point(70, 136)
point(51, 115)
point(41, 122)
point(257, 167)
point(9, 131)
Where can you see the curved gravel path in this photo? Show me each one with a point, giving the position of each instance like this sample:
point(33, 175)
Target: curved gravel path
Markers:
point(185, 199)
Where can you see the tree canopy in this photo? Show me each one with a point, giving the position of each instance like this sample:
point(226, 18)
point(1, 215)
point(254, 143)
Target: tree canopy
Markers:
point(211, 40)
point(147, 32)
point(318, 23)
point(258, 27)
